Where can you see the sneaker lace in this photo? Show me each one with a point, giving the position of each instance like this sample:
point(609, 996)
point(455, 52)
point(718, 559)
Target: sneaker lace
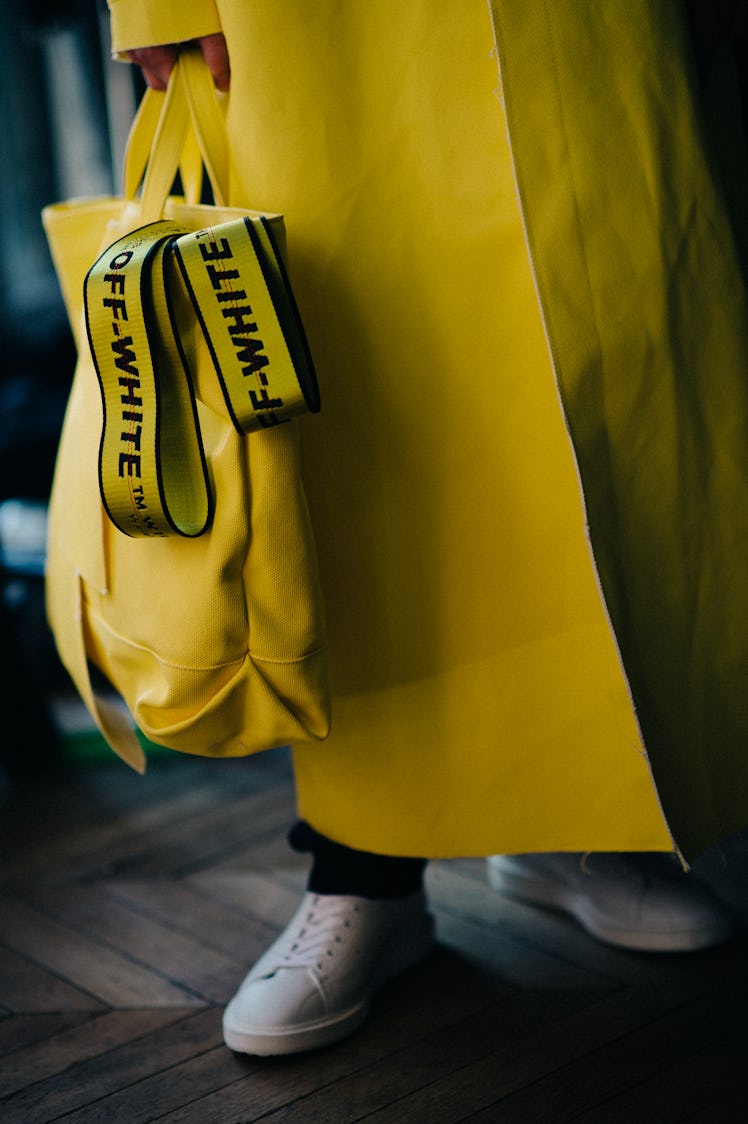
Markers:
point(324, 927)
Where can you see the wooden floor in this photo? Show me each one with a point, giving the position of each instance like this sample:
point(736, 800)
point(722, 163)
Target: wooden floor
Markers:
point(130, 909)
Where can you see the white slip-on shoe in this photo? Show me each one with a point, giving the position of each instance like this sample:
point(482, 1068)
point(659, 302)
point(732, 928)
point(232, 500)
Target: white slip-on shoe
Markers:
point(642, 900)
point(316, 982)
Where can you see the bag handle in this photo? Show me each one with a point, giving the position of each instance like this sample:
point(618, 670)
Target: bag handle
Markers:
point(208, 120)
point(183, 129)
point(140, 142)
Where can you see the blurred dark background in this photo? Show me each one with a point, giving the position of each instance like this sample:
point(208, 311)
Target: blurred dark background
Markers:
point(66, 107)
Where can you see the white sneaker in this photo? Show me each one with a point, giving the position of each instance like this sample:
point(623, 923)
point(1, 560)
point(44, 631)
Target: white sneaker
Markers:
point(642, 901)
point(315, 984)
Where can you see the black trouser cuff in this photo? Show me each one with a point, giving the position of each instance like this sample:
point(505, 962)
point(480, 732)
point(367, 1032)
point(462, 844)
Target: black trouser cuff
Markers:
point(337, 869)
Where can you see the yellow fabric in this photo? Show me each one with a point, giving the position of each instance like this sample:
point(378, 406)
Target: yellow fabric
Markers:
point(217, 644)
point(480, 699)
point(640, 277)
point(479, 702)
point(150, 22)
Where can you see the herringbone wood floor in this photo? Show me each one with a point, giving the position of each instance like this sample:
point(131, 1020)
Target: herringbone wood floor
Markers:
point(131, 907)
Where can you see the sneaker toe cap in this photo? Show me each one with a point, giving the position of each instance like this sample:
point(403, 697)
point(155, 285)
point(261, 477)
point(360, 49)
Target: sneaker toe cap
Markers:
point(286, 997)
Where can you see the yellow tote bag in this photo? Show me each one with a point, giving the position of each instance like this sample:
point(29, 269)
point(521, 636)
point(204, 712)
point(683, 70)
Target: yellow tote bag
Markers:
point(216, 642)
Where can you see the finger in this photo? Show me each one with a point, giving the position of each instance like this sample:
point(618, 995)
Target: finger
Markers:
point(155, 63)
point(216, 56)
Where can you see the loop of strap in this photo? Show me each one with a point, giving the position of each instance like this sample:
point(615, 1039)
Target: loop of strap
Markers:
point(152, 470)
point(248, 316)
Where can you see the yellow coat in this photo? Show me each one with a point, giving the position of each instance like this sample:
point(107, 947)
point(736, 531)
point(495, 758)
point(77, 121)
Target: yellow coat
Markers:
point(528, 321)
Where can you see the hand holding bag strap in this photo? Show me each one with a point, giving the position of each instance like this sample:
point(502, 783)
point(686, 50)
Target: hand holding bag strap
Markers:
point(190, 105)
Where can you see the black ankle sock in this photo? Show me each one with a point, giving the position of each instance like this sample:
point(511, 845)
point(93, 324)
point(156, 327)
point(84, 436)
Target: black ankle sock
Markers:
point(337, 869)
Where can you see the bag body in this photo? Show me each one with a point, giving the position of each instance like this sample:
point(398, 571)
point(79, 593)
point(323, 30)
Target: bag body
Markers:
point(216, 642)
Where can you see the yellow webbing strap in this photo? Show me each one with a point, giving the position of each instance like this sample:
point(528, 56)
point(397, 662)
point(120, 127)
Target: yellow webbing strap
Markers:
point(152, 471)
point(248, 315)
